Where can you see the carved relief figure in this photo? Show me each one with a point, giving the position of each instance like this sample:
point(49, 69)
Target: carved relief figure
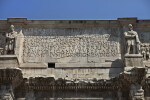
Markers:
point(132, 41)
point(10, 41)
point(145, 51)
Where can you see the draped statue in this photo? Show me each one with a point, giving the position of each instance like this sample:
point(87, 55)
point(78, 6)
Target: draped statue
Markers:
point(132, 41)
point(10, 41)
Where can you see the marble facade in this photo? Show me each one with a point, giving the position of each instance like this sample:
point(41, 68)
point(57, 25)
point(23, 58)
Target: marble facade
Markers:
point(74, 59)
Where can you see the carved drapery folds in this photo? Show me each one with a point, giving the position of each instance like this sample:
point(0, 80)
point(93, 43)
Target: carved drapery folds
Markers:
point(11, 37)
point(8, 41)
point(132, 41)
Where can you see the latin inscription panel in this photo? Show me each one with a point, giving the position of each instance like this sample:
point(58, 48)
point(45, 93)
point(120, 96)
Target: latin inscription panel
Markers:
point(84, 43)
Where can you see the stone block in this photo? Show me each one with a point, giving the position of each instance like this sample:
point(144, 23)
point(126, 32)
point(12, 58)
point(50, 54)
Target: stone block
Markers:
point(133, 60)
point(21, 98)
point(8, 61)
point(34, 65)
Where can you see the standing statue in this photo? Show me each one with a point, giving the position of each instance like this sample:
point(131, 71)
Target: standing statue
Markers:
point(132, 41)
point(10, 41)
point(143, 51)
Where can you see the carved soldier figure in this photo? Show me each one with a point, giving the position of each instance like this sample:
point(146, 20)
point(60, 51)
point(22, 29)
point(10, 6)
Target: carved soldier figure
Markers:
point(10, 41)
point(132, 40)
point(147, 52)
point(143, 51)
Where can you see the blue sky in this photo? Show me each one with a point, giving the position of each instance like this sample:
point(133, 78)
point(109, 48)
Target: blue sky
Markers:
point(74, 9)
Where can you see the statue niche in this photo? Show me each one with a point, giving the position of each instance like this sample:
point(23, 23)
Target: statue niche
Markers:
point(132, 41)
point(11, 37)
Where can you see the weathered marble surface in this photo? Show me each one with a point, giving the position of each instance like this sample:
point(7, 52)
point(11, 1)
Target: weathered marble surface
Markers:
point(70, 45)
point(8, 61)
point(76, 56)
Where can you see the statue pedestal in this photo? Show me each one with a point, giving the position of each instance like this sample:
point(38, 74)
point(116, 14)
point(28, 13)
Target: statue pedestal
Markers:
point(8, 61)
point(135, 72)
point(133, 60)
